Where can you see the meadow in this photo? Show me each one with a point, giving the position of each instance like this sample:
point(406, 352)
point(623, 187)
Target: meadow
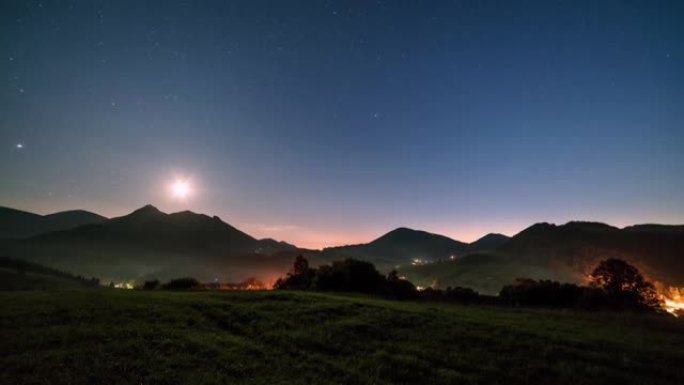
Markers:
point(107, 336)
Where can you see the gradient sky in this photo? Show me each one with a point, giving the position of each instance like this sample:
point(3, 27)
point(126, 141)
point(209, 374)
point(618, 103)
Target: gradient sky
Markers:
point(332, 122)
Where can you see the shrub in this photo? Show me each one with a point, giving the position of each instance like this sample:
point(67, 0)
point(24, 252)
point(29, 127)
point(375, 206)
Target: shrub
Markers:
point(529, 292)
point(185, 283)
point(350, 275)
point(151, 285)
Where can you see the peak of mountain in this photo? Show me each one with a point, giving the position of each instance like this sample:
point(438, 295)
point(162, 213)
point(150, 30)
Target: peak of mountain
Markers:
point(488, 242)
point(537, 228)
point(147, 211)
point(542, 227)
point(22, 224)
point(493, 237)
point(650, 227)
point(402, 235)
point(587, 225)
point(177, 231)
point(153, 244)
point(400, 246)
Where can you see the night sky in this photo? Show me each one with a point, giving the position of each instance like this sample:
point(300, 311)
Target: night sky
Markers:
point(332, 122)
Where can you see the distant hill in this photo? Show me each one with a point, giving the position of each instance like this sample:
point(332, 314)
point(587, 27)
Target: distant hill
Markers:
point(658, 250)
point(21, 224)
point(489, 242)
point(151, 244)
point(149, 226)
point(400, 246)
point(562, 252)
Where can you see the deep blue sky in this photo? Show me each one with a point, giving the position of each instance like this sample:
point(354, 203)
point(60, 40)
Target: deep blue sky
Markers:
point(327, 122)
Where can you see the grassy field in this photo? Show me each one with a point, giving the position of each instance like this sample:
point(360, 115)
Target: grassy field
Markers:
point(132, 337)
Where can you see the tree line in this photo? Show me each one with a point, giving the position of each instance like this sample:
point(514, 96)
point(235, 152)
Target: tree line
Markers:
point(614, 285)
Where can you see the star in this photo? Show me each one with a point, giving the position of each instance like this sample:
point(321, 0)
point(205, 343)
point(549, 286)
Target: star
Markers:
point(20, 146)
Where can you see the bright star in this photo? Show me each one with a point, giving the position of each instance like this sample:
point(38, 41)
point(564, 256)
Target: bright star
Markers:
point(20, 145)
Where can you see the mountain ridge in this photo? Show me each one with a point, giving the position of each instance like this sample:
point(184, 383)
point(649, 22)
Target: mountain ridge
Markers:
point(148, 242)
point(16, 223)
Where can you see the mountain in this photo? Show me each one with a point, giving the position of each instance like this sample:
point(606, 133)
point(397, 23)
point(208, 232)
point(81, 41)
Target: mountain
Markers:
point(21, 224)
point(148, 243)
point(489, 242)
point(400, 246)
point(657, 250)
point(561, 252)
point(149, 226)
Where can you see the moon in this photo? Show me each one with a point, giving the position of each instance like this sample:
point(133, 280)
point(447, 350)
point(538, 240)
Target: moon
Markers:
point(180, 189)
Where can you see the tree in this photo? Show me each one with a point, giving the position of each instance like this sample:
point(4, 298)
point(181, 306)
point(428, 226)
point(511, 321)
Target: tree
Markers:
point(300, 278)
point(530, 292)
point(624, 285)
point(151, 285)
point(350, 275)
point(301, 265)
point(399, 288)
point(185, 283)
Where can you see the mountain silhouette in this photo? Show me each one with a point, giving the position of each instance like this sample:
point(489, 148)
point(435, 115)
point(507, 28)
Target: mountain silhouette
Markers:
point(488, 242)
point(658, 250)
point(400, 246)
point(560, 252)
point(150, 226)
point(22, 224)
point(151, 243)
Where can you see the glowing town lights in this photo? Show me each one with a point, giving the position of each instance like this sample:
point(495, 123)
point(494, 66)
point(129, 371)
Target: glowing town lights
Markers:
point(124, 285)
point(673, 300)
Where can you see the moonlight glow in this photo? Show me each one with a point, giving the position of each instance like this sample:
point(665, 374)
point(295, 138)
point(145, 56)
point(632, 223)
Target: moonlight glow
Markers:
point(180, 189)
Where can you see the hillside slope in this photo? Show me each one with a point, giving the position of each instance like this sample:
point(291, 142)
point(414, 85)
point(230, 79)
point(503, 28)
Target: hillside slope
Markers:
point(23, 275)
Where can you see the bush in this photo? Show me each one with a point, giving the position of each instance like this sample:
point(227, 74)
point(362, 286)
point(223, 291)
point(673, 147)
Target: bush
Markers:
point(398, 288)
point(299, 278)
point(528, 292)
point(185, 283)
point(457, 294)
point(350, 275)
point(151, 285)
point(615, 285)
point(462, 295)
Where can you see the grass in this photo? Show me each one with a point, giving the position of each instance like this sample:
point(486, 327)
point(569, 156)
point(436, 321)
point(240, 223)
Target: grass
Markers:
point(131, 337)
